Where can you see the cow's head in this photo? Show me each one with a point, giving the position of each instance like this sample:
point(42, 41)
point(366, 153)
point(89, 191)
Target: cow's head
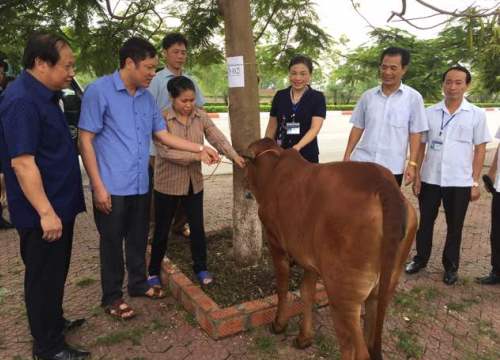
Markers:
point(264, 154)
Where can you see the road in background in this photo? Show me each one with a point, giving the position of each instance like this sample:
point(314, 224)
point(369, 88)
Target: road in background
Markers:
point(332, 137)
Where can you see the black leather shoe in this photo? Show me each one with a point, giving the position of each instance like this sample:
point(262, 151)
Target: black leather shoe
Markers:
point(72, 324)
point(4, 224)
point(414, 267)
point(450, 277)
point(67, 353)
point(491, 279)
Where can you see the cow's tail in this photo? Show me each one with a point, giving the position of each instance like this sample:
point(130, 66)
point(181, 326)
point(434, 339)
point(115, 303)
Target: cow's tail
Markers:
point(396, 211)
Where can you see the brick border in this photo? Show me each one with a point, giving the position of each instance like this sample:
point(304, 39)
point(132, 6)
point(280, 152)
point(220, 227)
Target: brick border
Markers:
point(220, 322)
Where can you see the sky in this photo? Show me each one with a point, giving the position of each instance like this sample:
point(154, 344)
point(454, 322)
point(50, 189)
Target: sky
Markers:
point(338, 16)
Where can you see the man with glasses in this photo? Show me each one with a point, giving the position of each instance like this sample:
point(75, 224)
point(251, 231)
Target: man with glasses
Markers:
point(44, 185)
point(386, 118)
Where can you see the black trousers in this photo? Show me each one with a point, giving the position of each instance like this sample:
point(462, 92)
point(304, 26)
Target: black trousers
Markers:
point(495, 233)
point(47, 265)
point(165, 206)
point(127, 223)
point(455, 202)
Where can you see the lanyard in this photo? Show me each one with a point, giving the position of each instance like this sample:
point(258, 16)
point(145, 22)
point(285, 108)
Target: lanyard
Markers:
point(445, 124)
point(295, 106)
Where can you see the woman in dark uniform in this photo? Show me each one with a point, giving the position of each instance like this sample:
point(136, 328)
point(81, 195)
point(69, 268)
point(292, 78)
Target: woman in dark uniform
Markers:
point(298, 112)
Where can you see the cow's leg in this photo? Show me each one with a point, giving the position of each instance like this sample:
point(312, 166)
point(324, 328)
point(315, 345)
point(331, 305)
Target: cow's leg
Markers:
point(346, 321)
point(370, 317)
point(307, 290)
point(282, 271)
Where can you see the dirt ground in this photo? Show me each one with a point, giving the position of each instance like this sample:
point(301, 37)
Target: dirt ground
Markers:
point(427, 320)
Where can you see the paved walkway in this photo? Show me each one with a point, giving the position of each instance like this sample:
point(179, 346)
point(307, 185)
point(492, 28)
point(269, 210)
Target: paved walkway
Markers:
point(427, 320)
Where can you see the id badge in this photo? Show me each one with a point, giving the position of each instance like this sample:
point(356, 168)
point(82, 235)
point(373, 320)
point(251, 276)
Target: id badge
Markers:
point(436, 145)
point(293, 128)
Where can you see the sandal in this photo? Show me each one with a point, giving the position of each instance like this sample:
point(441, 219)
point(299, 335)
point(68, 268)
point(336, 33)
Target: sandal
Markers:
point(488, 184)
point(155, 293)
point(120, 310)
point(154, 281)
point(205, 278)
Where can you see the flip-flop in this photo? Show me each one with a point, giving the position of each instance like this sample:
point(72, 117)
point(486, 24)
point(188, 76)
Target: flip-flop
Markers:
point(156, 293)
point(205, 278)
point(488, 184)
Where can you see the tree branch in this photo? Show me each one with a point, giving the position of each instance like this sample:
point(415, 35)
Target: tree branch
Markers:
point(400, 14)
point(273, 12)
point(355, 7)
point(469, 12)
point(126, 17)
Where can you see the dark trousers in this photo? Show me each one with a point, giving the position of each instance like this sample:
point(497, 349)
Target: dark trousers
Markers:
point(495, 233)
point(127, 222)
point(180, 217)
point(399, 179)
point(165, 206)
point(47, 265)
point(455, 202)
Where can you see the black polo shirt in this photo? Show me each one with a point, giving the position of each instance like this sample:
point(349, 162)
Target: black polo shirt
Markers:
point(32, 122)
point(311, 104)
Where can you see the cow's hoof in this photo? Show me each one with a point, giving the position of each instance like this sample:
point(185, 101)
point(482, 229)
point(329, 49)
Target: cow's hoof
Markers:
point(302, 343)
point(277, 329)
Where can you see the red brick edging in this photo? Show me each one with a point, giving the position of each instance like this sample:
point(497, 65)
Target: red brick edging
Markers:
point(221, 322)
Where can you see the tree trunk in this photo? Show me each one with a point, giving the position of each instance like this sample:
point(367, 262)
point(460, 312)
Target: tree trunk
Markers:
point(245, 127)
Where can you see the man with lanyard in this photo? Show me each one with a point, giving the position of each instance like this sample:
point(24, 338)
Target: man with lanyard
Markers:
point(117, 120)
point(386, 117)
point(456, 146)
point(175, 55)
point(44, 187)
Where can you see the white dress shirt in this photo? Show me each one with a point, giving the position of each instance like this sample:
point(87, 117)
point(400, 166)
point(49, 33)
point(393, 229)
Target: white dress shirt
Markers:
point(450, 144)
point(387, 122)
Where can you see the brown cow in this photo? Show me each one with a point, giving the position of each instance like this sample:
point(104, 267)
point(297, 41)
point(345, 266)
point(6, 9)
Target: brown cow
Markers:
point(346, 222)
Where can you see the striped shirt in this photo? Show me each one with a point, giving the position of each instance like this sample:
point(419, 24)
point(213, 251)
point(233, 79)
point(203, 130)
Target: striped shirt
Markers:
point(175, 169)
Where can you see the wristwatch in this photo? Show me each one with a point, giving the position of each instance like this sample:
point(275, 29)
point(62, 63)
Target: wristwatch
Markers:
point(475, 184)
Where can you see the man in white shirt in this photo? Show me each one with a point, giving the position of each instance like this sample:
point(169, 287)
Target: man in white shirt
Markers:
point(494, 276)
point(454, 150)
point(175, 56)
point(386, 118)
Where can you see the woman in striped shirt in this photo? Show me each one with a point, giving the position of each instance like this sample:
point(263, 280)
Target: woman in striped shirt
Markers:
point(178, 177)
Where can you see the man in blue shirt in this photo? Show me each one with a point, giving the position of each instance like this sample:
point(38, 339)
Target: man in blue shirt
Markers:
point(117, 120)
point(44, 187)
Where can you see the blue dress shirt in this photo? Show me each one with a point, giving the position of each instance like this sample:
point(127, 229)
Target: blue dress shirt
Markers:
point(123, 125)
point(32, 123)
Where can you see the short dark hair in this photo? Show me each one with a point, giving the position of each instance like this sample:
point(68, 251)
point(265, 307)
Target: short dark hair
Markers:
point(137, 49)
point(468, 76)
point(4, 65)
point(178, 85)
point(301, 59)
point(44, 46)
point(174, 38)
point(394, 50)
